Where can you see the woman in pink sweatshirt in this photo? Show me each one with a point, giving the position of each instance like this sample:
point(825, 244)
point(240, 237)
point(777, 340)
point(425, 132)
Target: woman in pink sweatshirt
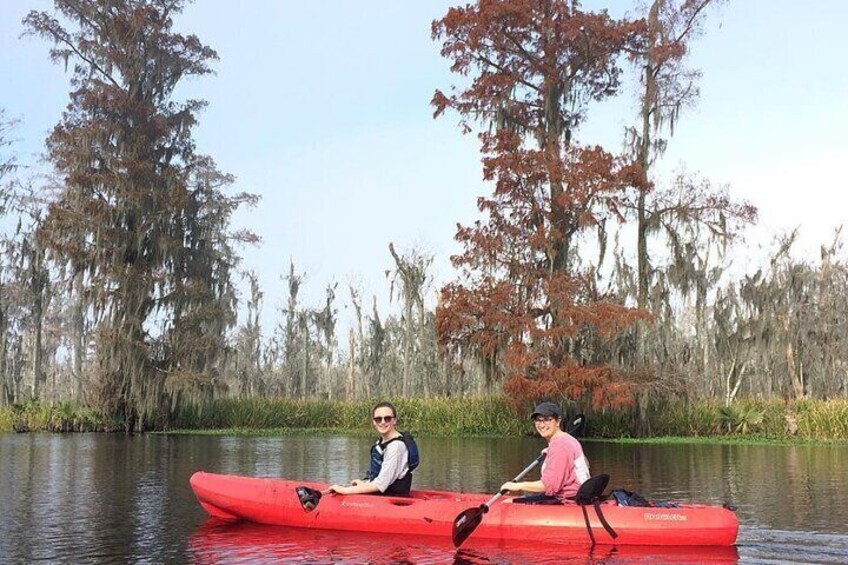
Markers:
point(565, 467)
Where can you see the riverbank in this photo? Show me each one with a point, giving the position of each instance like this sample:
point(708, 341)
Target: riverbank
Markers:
point(749, 420)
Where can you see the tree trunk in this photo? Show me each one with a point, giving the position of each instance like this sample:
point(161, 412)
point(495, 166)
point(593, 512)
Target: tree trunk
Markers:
point(37, 284)
point(789, 356)
point(423, 348)
point(351, 365)
point(644, 159)
point(292, 323)
point(39, 378)
point(304, 328)
point(407, 345)
point(79, 339)
point(8, 394)
point(360, 387)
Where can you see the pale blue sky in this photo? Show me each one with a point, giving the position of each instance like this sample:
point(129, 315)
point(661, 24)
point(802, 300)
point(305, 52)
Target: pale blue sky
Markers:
point(323, 109)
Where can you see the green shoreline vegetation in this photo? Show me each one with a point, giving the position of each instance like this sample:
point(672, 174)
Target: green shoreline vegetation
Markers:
point(747, 421)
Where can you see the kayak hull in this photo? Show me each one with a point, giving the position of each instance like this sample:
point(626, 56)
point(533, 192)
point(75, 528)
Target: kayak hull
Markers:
point(275, 502)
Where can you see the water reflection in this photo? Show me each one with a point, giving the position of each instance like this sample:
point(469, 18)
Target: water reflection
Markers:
point(116, 498)
point(219, 542)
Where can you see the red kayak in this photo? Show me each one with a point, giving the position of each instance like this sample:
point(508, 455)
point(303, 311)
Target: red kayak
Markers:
point(276, 502)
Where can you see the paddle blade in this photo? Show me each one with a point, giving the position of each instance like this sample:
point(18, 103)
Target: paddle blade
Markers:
point(577, 427)
point(309, 498)
point(465, 523)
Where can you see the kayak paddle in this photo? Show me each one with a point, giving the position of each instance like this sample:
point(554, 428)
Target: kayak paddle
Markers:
point(467, 521)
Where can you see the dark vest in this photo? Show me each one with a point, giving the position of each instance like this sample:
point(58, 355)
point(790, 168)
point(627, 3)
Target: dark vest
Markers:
point(400, 487)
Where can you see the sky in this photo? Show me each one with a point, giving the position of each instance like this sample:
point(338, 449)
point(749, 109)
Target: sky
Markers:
point(322, 108)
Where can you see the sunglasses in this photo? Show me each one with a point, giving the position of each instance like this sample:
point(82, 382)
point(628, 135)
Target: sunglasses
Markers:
point(381, 419)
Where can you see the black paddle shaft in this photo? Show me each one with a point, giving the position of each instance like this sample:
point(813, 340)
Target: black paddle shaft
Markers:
point(485, 506)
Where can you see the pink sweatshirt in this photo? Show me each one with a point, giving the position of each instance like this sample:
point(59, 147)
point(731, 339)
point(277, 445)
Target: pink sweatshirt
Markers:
point(565, 468)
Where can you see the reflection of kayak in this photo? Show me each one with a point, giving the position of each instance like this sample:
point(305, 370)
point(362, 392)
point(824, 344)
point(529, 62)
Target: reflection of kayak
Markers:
point(275, 502)
point(245, 542)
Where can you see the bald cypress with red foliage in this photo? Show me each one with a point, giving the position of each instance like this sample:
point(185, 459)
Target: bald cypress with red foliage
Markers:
point(522, 301)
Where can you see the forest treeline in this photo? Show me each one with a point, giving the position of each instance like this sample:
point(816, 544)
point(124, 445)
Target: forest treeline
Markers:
point(588, 277)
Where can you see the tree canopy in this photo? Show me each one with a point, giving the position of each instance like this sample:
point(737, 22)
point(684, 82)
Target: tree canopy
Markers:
point(523, 298)
point(141, 216)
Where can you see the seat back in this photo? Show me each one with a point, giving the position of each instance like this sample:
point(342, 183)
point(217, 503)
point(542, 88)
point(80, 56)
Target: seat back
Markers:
point(592, 489)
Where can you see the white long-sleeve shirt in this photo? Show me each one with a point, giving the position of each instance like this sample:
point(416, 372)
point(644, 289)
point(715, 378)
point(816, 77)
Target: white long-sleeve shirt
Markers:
point(395, 465)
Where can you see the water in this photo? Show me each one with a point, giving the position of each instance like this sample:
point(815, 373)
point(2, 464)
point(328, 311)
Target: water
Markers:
point(98, 498)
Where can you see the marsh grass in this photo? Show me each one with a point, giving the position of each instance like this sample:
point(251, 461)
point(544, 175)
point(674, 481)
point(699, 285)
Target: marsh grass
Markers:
point(478, 416)
point(746, 420)
point(816, 420)
point(59, 417)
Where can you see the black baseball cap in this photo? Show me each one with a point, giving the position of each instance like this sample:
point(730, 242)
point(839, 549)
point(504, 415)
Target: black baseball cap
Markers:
point(546, 409)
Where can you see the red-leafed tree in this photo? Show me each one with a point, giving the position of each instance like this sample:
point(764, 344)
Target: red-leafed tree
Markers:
point(522, 300)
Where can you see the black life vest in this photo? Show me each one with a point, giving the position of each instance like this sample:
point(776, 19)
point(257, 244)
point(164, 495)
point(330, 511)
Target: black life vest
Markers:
point(402, 486)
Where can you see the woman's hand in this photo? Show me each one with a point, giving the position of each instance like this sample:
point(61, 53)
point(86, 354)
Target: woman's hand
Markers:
point(545, 451)
point(339, 489)
point(511, 486)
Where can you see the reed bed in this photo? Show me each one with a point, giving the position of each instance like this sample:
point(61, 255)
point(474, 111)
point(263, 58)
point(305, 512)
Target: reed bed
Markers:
point(58, 417)
point(434, 416)
point(806, 420)
point(813, 420)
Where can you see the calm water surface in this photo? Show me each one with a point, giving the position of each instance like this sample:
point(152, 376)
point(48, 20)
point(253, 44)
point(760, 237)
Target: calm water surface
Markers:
point(98, 498)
